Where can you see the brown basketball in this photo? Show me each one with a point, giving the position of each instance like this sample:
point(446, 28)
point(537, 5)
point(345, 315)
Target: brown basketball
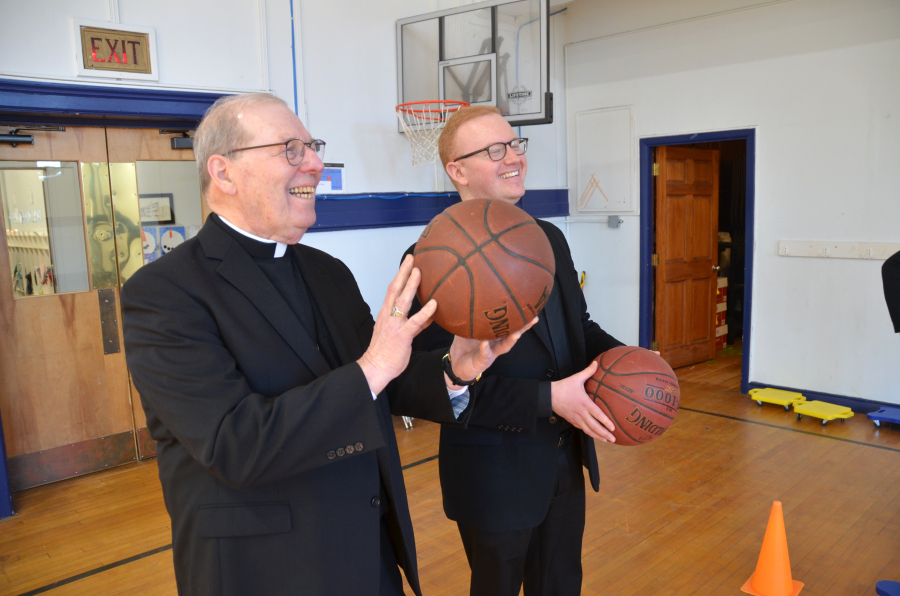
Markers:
point(638, 391)
point(489, 266)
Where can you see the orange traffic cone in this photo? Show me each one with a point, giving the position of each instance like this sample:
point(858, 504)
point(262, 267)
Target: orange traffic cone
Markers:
point(773, 571)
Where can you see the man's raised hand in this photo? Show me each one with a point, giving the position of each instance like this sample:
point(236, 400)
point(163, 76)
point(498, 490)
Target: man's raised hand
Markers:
point(389, 351)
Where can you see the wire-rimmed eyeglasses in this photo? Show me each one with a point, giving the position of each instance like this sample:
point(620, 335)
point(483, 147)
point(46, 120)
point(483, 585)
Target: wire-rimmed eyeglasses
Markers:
point(497, 151)
point(294, 150)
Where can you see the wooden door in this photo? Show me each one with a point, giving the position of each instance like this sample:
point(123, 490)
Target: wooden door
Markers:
point(138, 159)
point(63, 381)
point(686, 222)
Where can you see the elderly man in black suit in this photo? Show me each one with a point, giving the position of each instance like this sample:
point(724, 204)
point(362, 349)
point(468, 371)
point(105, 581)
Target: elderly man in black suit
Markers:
point(269, 387)
point(512, 475)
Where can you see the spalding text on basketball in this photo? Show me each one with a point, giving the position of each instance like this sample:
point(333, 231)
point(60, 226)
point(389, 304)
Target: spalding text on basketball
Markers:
point(638, 419)
point(499, 322)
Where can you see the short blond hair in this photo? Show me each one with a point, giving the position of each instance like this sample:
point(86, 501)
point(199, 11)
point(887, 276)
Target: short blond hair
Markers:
point(447, 140)
point(221, 130)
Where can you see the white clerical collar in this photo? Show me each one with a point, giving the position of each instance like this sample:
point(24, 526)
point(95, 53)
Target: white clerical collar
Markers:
point(280, 248)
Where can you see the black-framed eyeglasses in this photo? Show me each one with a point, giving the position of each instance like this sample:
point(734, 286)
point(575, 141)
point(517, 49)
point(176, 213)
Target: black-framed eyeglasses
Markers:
point(294, 150)
point(497, 151)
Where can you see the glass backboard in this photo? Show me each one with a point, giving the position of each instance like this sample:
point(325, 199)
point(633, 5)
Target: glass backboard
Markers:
point(489, 53)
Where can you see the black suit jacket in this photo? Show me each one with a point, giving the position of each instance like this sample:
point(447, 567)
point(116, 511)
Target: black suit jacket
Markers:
point(890, 276)
point(498, 470)
point(269, 460)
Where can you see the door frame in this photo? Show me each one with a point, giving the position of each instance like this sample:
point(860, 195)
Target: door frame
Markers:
point(646, 146)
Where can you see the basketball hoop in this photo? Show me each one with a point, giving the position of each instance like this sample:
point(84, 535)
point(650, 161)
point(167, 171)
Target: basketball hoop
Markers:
point(423, 121)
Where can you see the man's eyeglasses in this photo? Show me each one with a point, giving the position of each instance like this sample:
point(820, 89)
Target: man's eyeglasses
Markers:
point(497, 151)
point(294, 150)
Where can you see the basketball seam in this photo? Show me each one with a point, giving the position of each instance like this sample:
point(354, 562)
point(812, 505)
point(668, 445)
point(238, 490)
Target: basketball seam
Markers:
point(496, 237)
point(478, 249)
point(610, 371)
point(460, 262)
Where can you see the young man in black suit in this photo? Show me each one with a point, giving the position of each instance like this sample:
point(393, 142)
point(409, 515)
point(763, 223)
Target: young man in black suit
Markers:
point(268, 386)
point(512, 477)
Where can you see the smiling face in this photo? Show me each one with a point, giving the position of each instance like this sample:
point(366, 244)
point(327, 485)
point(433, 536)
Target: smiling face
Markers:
point(478, 176)
point(258, 190)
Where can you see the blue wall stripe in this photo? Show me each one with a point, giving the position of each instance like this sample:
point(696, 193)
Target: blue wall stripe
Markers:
point(646, 242)
point(345, 212)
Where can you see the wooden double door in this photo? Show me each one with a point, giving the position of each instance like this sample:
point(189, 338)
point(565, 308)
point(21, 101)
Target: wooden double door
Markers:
point(83, 209)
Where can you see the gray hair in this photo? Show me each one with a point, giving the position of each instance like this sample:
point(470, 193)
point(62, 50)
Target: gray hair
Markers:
point(221, 130)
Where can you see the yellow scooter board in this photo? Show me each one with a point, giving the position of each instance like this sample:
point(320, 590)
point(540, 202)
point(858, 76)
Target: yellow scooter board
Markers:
point(823, 410)
point(776, 396)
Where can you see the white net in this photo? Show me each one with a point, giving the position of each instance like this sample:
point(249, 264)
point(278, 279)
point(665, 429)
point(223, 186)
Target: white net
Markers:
point(422, 121)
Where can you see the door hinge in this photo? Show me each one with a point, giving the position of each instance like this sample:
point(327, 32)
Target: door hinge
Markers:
point(654, 260)
point(654, 345)
point(656, 169)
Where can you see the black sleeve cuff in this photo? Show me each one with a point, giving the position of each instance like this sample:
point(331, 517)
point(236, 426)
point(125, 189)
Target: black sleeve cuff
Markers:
point(545, 403)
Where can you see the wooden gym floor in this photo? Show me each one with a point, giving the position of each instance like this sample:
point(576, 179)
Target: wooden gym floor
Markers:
point(683, 515)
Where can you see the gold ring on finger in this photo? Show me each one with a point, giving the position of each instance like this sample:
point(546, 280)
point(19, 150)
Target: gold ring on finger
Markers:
point(396, 312)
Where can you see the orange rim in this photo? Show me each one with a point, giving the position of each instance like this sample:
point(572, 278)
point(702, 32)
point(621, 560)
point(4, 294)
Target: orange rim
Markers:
point(425, 114)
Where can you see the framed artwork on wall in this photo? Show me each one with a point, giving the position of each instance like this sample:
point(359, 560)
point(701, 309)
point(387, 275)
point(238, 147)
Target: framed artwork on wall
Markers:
point(157, 209)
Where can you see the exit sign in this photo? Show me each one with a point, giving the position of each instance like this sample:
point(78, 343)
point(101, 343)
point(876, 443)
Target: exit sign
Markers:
point(110, 50)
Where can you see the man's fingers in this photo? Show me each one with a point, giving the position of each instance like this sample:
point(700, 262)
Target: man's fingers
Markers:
point(421, 319)
point(593, 429)
point(587, 373)
point(396, 286)
point(597, 414)
point(405, 299)
point(597, 431)
point(502, 346)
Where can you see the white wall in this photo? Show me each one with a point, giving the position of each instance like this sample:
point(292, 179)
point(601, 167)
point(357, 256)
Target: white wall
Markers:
point(350, 83)
point(820, 82)
point(201, 45)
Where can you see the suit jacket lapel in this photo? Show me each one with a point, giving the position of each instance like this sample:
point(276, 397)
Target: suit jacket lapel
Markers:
point(329, 298)
point(239, 269)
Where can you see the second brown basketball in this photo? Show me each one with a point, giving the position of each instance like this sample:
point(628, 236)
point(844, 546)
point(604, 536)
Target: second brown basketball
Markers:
point(489, 266)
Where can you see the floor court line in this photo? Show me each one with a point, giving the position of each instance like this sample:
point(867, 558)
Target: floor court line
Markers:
point(81, 576)
point(793, 430)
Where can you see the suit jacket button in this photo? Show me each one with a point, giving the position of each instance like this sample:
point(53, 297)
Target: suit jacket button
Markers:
point(549, 373)
point(340, 452)
point(376, 501)
point(552, 421)
point(359, 446)
point(349, 449)
point(330, 455)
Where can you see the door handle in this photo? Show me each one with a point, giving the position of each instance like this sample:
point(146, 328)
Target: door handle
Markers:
point(715, 267)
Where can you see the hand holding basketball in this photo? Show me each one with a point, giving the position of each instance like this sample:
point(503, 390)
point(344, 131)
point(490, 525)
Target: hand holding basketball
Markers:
point(391, 345)
point(471, 357)
point(638, 390)
point(571, 401)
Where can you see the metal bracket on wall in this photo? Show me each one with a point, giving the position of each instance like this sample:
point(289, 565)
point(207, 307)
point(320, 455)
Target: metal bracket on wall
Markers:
point(109, 321)
point(837, 250)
